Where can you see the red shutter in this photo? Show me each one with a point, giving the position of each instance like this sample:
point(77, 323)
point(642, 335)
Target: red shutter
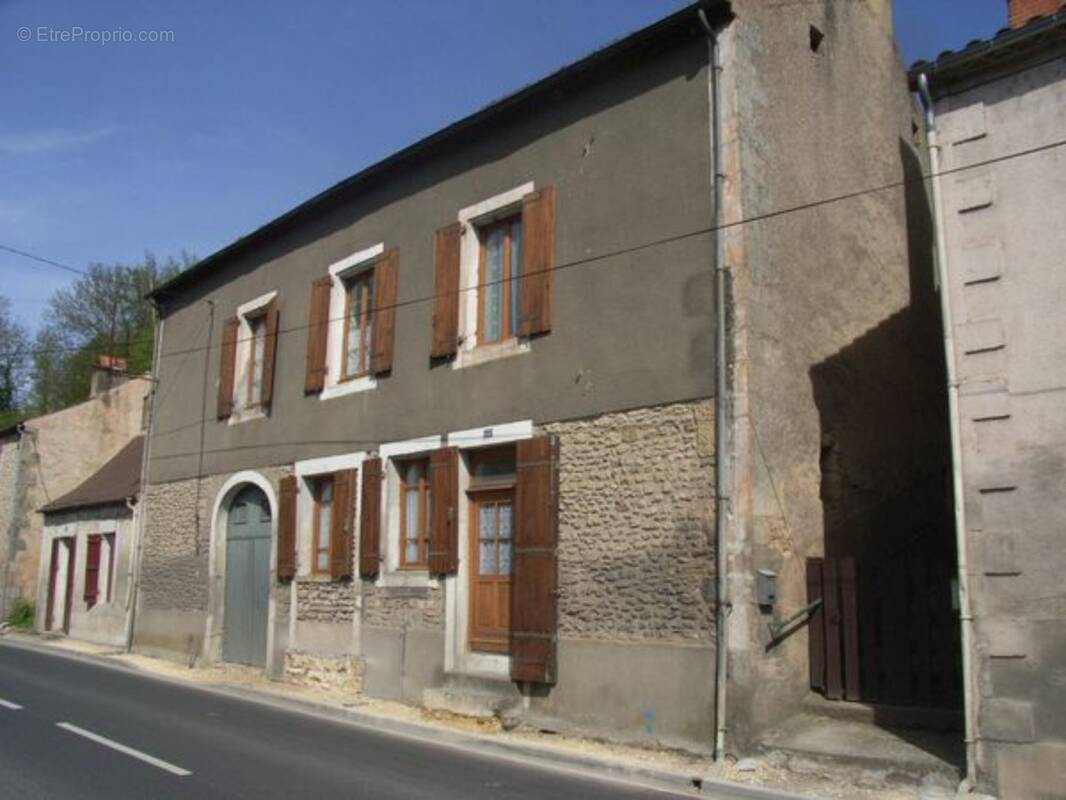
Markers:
point(270, 347)
point(317, 330)
point(444, 514)
point(384, 316)
point(340, 526)
point(446, 292)
point(538, 262)
point(370, 519)
point(227, 366)
point(92, 569)
point(535, 570)
point(287, 528)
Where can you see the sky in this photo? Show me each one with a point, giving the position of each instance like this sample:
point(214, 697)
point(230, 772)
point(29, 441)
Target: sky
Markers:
point(232, 113)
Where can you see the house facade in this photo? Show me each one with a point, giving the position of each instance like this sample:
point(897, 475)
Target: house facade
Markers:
point(457, 432)
point(84, 580)
point(45, 457)
point(998, 110)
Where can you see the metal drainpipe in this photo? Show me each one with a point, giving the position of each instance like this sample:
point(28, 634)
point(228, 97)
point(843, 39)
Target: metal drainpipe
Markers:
point(965, 612)
point(723, 460)
point(133, 586)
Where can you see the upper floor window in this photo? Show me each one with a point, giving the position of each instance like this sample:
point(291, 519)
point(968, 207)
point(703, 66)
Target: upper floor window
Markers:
point(352, 322)
point(493, 274)
point(246, 363)
point(257, 361)
point(415, 510)
point(498, 293)
point(358, 325)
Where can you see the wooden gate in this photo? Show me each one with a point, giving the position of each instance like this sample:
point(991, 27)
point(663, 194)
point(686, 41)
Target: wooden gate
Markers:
point(885, 632)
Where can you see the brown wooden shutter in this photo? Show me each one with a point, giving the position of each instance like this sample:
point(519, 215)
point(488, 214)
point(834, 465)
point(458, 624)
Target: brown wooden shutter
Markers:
point(317, 330)
point(444, 514)
point(92, 570)
point(535, 570)
point(538, 262)
point(287, 528)
point(446, 292)
point(227, 367)
point(270, 348)
point(370, 520)
point(340, 529)
point(384, 317)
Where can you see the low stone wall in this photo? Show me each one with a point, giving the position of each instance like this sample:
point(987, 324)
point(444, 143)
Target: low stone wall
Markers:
point(324, 672)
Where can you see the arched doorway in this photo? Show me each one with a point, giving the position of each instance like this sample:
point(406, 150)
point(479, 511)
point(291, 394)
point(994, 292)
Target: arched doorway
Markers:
point(248, 532)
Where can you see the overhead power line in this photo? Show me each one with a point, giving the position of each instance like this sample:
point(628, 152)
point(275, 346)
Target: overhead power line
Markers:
point(43, 260)
point(589, 260)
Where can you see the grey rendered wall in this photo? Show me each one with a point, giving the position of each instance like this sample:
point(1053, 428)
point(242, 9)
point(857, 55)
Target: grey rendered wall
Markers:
point(1005, 240)
point(632, 326)
point(835, 329)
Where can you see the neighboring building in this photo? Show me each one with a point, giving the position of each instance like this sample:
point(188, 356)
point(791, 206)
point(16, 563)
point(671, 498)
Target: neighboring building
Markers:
point(45, 457)
point(84, 579)
point(460, 442)
point(1000, 124)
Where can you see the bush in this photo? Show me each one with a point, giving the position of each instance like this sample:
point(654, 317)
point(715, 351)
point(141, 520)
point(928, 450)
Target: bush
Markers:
point(21, 614)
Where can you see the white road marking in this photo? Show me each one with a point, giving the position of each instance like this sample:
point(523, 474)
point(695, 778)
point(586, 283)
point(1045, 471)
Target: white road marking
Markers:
point(155, 762)
point(12, 706)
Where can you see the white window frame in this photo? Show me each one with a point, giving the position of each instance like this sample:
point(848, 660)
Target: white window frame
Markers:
point(468, 353)
point(458, 657)
point(306, 473)
point(390, 454)
point(245, 312)
point(338, 273)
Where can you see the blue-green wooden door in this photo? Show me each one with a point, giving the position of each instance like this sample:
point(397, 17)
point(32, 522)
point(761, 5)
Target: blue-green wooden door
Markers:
point(244, 631)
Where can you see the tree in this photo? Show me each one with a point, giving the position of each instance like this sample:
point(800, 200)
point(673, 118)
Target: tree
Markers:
point(14, 352)
point(102, 313)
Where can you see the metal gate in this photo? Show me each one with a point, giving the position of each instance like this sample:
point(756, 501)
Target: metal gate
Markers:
point(244, 632)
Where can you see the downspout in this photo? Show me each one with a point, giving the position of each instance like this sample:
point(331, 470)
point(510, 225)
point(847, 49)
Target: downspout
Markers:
point(140, 513)
point(965, 612)
point(723, 460)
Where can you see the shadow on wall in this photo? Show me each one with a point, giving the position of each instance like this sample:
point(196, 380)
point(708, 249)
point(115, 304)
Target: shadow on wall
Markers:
point(885, 484)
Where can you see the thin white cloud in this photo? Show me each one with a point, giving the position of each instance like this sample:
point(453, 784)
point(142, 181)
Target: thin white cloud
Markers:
point(33, 142)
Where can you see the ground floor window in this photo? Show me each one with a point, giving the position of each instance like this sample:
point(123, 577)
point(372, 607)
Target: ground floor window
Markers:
point(322, 491)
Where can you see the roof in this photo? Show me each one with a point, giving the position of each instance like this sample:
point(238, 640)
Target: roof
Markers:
point(983, 54)
point(114, 482)
point(683, 22)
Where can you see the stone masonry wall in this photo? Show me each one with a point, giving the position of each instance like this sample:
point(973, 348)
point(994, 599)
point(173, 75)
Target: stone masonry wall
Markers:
point(325, 601)
point(636, 524)
point(175, 550)
point(403, 608)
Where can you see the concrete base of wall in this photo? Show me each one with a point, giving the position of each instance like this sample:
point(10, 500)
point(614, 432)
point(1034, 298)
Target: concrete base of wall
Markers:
point(324, 671)
point(651, 694)
point(173, 635)
point(401, 665)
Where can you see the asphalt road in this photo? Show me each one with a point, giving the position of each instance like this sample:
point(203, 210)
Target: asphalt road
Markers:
point(61, 719)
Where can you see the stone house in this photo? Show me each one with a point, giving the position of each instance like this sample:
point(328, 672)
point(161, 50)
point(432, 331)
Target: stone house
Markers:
point(998, 120)
point(84, 577)
point(45, 457)
point(510, 421)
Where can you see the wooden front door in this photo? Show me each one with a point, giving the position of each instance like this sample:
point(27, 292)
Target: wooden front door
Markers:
point(247, 594)
point(491, 526)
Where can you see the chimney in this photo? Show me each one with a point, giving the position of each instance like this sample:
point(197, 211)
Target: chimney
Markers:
point(108, 372)
point(1020, 12)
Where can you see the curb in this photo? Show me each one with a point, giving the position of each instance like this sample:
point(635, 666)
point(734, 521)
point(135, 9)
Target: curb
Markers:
point(526, 753)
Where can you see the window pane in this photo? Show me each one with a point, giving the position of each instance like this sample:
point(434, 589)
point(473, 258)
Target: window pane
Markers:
point(505, 558)
point(487, 558)
point(323, 561)
point(410, 553)
point(487, 521)
point(325, 505)
point(352, 346)
point(516, 270)
point(493, 290)
point(255, 389)
point(505, 521)
point(411, 512)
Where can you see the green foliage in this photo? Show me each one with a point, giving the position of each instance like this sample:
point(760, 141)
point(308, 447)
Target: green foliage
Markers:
point(21, 614)
point(102, 313)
